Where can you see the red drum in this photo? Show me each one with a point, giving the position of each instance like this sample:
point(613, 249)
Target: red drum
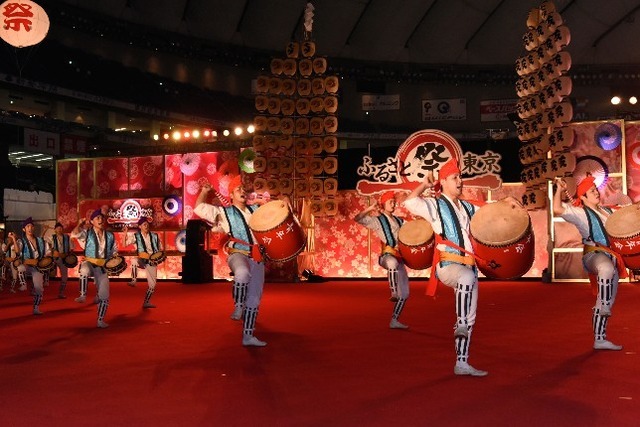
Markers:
point(501, 234)
point(416, 244)
point(277, 231)
point(115, 265)
point(623, 229)
point(46, 264)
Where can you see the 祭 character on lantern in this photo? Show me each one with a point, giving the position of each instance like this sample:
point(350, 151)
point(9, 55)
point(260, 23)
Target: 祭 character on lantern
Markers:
point(32, 249)
point(386, 226)
point(453, 261)
point(150, 254)
point(603, 265)
point(101, 259)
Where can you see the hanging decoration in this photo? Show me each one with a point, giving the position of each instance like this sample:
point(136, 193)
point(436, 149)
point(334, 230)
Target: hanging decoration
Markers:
point(181, 241)
point(24, 23)
point(608, 136)
point(245, 160)
point(172, 205)
point(189, 163)
point(544, 108)
point(295, 143)
point(591, 166)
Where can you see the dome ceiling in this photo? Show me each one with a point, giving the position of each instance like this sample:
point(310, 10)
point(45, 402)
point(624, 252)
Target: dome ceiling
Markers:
point(455, 32)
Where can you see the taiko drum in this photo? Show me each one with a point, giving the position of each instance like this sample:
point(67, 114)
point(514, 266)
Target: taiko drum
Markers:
point(502, 238)
point(277, 231)
point(623, 229)
point(416, 244)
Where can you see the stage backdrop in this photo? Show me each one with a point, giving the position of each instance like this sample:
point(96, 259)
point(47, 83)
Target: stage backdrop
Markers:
point(166, 187)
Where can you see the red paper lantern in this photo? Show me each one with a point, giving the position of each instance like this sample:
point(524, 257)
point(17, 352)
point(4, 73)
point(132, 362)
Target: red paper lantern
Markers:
point(24, 23)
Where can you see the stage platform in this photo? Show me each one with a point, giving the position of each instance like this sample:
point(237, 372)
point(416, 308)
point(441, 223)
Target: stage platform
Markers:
point(331, 359)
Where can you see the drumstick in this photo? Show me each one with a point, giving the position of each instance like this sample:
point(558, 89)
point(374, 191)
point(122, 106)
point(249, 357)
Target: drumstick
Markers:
point(569, 196)
point(224, 200)
point(571, 199)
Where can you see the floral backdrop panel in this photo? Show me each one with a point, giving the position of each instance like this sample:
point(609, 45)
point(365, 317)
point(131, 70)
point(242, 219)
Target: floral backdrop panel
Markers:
point(632, 141)
point(342, 245)
point(112, 177)
point(67, 194)
point(201, 168)
point(146, 176)
point(174, 246)
point(86, 171)
point(172, 174)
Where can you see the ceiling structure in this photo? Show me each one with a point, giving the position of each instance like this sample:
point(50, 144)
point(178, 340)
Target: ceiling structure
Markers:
point(445, 32)
point(426, 36)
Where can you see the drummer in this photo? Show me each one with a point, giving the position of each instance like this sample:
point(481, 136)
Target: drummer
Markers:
point(31, 249)
point(11, 254)
point(453, 261)
point(147, 243)
point(99, 246)
point(602, 264)
point(244, 258)
point(62, 246)
point(386, 226)
point(3, 263)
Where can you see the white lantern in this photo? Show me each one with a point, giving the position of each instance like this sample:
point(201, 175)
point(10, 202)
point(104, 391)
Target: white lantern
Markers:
point(24, 23)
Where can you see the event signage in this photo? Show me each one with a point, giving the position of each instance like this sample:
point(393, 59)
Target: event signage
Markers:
point(42, 142)
point(497, 110)
point(444, 109)
point(423, 152)
point(73, 144)
point(128, 214)
point(380, 102)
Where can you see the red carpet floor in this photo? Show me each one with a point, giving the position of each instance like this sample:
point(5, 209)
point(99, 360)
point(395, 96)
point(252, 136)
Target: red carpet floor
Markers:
point(331, 359)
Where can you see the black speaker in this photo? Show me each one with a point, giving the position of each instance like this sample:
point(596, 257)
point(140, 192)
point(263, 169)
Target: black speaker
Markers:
point(197, 268)
point(196, 236)
point(197, 263)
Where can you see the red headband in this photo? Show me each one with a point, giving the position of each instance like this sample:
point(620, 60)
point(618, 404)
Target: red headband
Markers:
point(235, 182)
point(389, 195)
point(584, 186)
point(449, 168)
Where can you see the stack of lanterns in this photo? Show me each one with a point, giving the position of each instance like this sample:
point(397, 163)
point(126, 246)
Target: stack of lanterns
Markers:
point(295, 139)
point(543, 88)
